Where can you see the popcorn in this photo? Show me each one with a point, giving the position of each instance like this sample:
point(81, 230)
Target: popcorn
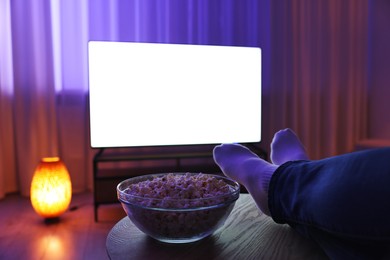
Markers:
point(179, 191)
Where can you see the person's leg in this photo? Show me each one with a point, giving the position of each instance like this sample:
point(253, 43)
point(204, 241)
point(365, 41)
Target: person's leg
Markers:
point(344, 189)
point(342, 202)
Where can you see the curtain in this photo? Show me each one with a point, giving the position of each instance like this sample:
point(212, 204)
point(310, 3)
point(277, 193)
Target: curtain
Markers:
point(314, 74)
point(319, 73)
point(7, 149)
point(44, 86)
point(44, 70)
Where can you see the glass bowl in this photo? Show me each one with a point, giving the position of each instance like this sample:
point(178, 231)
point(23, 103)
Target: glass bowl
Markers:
point(173, 219)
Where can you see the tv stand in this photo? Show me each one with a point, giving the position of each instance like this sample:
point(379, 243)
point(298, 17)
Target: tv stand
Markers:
point(111, 166)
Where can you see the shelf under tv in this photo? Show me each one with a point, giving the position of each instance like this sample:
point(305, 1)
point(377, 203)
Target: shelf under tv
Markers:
point(112, 165)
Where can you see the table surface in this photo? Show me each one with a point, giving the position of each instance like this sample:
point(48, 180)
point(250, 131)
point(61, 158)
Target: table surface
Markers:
point(247, 234)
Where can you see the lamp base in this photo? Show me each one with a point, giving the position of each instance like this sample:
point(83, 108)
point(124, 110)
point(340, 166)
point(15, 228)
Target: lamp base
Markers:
point(54, 220)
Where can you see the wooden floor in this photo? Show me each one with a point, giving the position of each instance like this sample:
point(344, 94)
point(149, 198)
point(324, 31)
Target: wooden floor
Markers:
point(25, 235)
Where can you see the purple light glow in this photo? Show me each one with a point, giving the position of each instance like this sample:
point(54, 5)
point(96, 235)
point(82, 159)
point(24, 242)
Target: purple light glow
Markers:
point(194, 22)
point(50, 38)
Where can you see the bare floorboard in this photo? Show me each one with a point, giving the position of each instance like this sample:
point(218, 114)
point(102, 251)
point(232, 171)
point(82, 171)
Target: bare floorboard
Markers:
point(25, 235)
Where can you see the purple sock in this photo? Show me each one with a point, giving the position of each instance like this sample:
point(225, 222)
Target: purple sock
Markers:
point(286, 146)
point(239, 163)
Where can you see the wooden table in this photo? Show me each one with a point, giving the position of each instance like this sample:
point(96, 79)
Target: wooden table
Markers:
point(247, 234)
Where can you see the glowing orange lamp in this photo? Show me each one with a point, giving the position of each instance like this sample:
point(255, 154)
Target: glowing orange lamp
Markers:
point(51, 188)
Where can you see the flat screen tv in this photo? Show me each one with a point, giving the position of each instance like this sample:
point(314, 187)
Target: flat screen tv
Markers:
point(154, 94)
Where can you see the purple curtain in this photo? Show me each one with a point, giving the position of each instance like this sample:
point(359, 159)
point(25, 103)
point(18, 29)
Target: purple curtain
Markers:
point(44, 70)
point(315, 75)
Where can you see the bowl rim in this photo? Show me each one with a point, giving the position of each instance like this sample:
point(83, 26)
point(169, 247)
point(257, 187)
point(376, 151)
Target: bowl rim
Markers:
point(234, 193)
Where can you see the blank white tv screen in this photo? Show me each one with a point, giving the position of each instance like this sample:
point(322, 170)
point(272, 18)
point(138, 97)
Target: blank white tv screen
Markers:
point(151, 94)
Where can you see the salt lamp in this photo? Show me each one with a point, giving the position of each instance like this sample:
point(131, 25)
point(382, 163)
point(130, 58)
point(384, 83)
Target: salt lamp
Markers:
point(51, 188)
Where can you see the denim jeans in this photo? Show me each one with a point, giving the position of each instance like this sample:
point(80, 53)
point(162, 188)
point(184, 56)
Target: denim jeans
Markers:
point(341, 202)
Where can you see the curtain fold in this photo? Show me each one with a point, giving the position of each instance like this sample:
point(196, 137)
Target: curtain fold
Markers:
point(34, 107)
point(319, 73)
point(7, 148)
point(314, 70)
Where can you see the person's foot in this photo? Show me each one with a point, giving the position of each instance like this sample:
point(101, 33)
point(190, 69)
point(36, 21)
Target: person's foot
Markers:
point(239, 163)
point(286, 146)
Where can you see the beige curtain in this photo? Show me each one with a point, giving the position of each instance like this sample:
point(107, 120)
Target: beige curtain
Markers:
point(318, 83)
